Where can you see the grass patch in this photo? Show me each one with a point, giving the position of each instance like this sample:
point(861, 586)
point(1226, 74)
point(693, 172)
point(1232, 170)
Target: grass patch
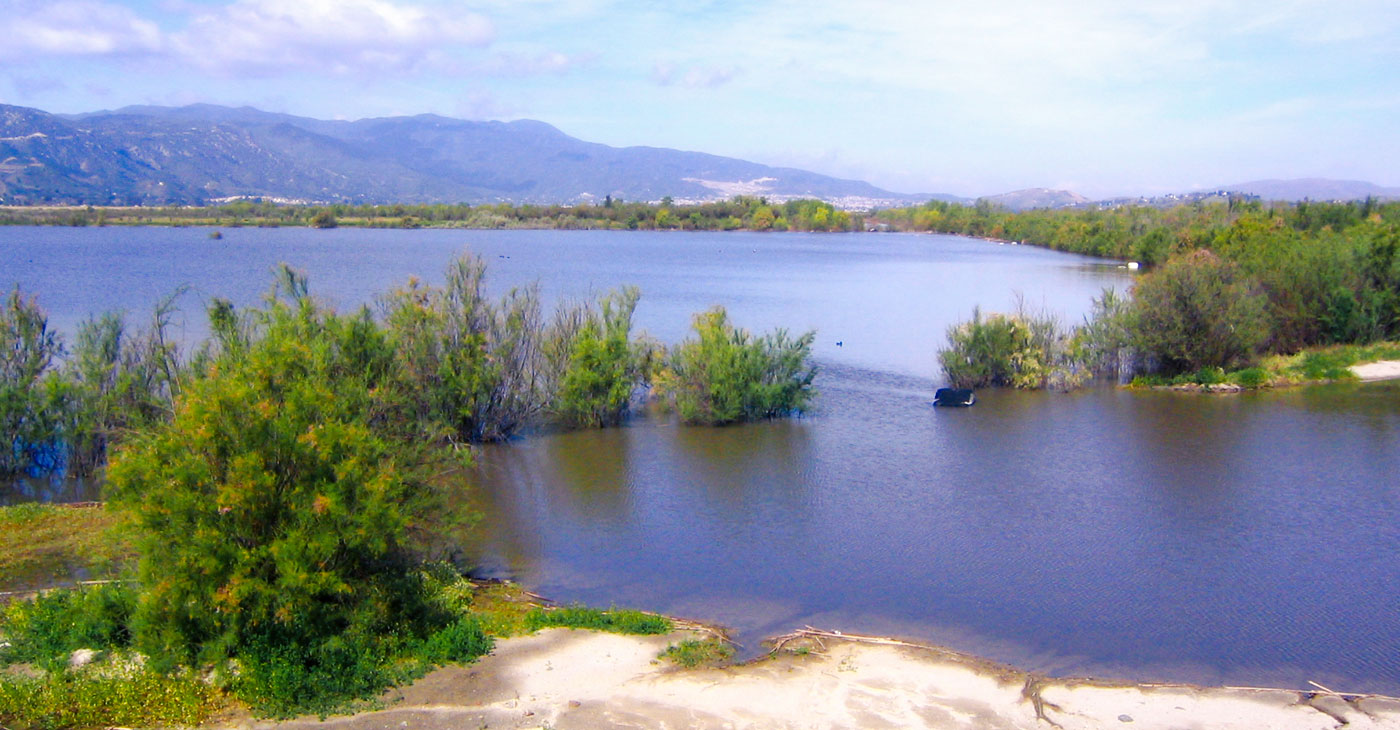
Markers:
point(1313, 365)
point(698, 652)
point(132, 697)
point(617, 621)
point(47, 629)
point(43, 545)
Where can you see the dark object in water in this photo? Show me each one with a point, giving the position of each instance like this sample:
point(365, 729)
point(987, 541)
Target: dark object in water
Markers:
point(954, 397)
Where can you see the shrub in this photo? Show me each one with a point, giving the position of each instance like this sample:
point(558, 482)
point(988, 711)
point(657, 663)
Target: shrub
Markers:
point(1022, 350)
point(1251, 378)
point(461, 641)
point(29, 409)
point(600, 365)
point(725, 375)
point(274, 510)
point(695, 652)
point(1199, 311)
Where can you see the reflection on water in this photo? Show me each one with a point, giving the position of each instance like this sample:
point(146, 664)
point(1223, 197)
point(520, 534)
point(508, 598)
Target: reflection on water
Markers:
point(1246, 539)
point(1140, 535)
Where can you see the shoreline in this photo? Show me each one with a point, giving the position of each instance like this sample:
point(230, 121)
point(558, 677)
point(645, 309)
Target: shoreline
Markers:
point(564, 678)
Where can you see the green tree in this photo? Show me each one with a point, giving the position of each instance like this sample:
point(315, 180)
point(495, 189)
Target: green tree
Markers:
point(31, 407)
point(1200, 311)
point(274, 513)
point(725, 375)
point(603, 366)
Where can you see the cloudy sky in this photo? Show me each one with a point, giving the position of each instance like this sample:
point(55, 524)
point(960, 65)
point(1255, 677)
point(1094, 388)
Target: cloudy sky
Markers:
point(969, 97)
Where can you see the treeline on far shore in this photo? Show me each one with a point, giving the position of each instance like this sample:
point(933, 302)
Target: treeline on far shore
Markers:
point(738, 213)
point(1225, 287)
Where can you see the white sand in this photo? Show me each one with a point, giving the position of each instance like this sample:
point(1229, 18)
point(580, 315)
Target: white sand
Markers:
point(1382, 370)
point(573, 679)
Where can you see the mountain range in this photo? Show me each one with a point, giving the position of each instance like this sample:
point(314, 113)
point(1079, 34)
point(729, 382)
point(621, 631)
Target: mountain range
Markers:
point(151, 155)
point(202, 153)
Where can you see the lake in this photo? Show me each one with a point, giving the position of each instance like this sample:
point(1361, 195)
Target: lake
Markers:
point(1247, 539)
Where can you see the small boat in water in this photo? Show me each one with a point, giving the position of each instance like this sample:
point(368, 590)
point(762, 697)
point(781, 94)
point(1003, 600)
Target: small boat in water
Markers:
point(956, 397)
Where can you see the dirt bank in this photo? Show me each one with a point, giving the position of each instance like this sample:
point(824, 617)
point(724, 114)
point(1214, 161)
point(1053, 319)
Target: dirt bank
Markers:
point(574, 679)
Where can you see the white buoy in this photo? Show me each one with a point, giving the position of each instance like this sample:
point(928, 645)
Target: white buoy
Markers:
point(1132, 265)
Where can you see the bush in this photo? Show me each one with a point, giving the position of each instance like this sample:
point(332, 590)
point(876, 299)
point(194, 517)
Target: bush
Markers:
point(600, 364)
point(695, 652)
point(725, 375)
point(274, 510)
point(30, 409)
point(1251, 378)
point(1199, 311)
point(1022, 350)
point(461, 641)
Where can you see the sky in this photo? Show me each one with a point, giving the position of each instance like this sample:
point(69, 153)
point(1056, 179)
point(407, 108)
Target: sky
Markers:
point(969, 97)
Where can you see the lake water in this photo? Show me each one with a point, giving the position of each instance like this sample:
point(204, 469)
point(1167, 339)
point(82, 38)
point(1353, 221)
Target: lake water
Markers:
point(1246, 539)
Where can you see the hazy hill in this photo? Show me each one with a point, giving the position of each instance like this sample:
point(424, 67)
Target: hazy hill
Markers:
point(1036, 198)
point(200, 153)
point(1313, 188)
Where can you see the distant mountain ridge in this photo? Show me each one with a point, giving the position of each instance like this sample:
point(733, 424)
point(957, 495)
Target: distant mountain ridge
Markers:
point(1036, 198)
point(1313, 188)
point(203, 153)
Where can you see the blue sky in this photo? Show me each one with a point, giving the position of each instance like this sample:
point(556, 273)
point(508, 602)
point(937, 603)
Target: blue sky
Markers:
point(1099, 96)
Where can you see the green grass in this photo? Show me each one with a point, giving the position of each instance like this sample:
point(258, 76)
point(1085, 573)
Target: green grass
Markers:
point(617, 621)
point(1318, 364)
point(43, 545)
point(697, 652)
point(46, 630)
point(132, 697)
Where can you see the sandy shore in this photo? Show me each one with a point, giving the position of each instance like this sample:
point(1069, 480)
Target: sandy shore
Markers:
point(1382, 370)
point(575, 679)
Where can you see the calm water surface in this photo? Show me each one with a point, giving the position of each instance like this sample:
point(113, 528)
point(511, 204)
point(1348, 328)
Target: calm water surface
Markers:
point(1248, 539)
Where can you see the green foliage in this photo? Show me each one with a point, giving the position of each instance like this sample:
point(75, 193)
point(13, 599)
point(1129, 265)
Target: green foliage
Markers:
point(1323, 365)
point(1251, 378)
point(601, 364)
point(1201, 311)
point(1106, 343)
point(461, 641)
point(91, 699)
point(274, 510)
point(617, 621)
point(324, 218)
point(30, 408)
point(467, 369)
point(725, 375)
point(692, 653)
point(46, 630)
point(1022, 350)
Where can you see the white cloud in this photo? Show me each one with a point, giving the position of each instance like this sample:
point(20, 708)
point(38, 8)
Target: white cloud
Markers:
point(697, 77)
point(335, 36)
point(78, 28)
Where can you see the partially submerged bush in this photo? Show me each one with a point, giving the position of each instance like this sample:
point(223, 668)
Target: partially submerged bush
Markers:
point(1022, 350)
point(726, 375)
